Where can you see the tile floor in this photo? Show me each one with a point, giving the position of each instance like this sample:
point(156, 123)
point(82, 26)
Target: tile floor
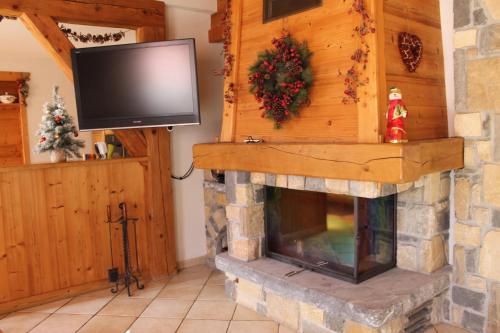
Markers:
point(191, 302)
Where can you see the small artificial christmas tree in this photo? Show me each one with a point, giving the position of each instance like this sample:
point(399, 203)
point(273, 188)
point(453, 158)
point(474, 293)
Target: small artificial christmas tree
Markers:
point(57, 131)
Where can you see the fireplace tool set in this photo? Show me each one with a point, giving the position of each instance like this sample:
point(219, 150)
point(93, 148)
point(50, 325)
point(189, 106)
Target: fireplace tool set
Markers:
point(113, 273)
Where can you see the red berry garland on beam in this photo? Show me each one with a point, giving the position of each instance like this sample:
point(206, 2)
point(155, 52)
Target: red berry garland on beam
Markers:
point(84, 38)
point(281, 79)
point(353, 78)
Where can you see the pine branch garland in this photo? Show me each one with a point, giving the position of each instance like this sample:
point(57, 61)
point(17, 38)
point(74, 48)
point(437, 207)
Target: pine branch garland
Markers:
point(90, 38)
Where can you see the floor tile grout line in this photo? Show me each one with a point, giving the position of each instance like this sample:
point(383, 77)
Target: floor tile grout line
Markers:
point(196, 299)
point(50, 314)
point(234, 312)
point(151, 301)
point(232, 318)
point(95, 314)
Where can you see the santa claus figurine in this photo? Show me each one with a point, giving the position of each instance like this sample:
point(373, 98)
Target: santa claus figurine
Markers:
point(396, 115)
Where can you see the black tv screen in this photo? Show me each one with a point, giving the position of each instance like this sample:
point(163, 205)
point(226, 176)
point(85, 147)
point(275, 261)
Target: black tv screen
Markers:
point(136, 85)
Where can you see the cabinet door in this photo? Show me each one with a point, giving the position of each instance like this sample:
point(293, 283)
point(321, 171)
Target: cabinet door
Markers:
point(11, 135)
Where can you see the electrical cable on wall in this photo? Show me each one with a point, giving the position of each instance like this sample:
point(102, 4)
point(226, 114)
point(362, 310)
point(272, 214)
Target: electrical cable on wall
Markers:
point(186, 175)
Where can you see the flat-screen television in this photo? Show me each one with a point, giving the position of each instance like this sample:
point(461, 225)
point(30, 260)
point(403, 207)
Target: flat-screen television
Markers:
point(136, 85)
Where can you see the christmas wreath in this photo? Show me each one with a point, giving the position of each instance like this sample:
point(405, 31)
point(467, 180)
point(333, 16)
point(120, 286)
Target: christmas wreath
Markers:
point(281, 79)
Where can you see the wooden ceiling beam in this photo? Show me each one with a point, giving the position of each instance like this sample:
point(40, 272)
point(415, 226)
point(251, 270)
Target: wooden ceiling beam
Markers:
point(47, 33)
point(108, 13)
point(134, 140)
point(13, 76)
point(216, 33)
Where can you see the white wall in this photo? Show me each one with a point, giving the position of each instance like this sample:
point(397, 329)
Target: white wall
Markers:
point(24, 54)
point(448, 49)
point(447, 29)
point(187, 19)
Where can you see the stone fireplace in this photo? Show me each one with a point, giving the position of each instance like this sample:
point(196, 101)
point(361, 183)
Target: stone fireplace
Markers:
point(407, 298)
point(336, 152)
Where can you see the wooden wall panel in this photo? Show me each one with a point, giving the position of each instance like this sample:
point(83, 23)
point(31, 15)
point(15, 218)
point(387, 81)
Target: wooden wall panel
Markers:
point(11, 138)
point(328, 31)
point(14, 140)
point(53, 234)
point(423, 91)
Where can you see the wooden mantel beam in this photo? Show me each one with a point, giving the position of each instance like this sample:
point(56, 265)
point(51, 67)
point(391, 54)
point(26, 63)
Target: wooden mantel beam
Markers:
point(47, 33)
point(384, 163)
point(109, 13)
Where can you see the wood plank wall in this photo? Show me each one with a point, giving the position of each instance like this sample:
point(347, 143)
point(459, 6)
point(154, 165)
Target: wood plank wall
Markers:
point(53, 236)
point(423, 91)
point(11, 138)
point(328, 31)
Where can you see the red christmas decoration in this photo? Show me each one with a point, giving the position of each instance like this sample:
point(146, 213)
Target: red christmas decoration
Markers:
point(281, 78)
point(355, 77)
point(411, 49)
point(396, 115)
point(58, 119)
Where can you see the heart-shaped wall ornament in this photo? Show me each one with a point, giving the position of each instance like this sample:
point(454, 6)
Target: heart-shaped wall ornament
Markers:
point(411, 49)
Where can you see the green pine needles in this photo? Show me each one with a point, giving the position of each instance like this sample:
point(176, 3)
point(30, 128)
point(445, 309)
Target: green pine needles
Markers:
point(57, 130)
point(281, 79)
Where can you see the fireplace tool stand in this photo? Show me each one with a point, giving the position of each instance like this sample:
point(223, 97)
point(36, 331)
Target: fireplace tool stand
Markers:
point(128, 276)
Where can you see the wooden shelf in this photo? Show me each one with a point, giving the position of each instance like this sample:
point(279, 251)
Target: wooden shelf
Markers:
point(385, 163)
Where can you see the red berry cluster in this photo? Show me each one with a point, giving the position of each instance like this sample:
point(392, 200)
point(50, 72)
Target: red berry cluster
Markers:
point(277, 80)
point(353, 78)
point(228, 57)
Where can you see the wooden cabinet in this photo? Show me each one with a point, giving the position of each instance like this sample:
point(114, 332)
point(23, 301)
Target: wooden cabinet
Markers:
point(54, 239)
point(14, 142)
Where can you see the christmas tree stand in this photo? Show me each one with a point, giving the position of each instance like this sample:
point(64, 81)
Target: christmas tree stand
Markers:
point(57, 156)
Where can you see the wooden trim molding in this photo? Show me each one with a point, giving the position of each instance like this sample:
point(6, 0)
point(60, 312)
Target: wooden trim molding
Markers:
point(385, 163)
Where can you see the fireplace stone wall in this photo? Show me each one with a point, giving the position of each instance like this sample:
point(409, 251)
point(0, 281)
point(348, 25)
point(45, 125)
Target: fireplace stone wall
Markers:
point(420, 283)
point(475, 296)
point(215, 216)
point(423, 213)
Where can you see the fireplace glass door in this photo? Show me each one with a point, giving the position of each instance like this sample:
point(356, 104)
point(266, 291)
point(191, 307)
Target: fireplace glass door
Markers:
point(346, 237)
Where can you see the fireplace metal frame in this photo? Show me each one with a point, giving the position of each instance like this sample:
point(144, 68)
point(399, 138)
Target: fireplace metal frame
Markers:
point(340, 272)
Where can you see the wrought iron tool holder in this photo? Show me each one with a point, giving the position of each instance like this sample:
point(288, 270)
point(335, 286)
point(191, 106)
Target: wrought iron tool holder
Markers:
point(128, 276)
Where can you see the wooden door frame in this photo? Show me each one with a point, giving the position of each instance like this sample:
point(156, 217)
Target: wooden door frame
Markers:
point(147, 17)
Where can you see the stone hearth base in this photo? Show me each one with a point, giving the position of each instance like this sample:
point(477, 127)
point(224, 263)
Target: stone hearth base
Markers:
point(315, 303)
